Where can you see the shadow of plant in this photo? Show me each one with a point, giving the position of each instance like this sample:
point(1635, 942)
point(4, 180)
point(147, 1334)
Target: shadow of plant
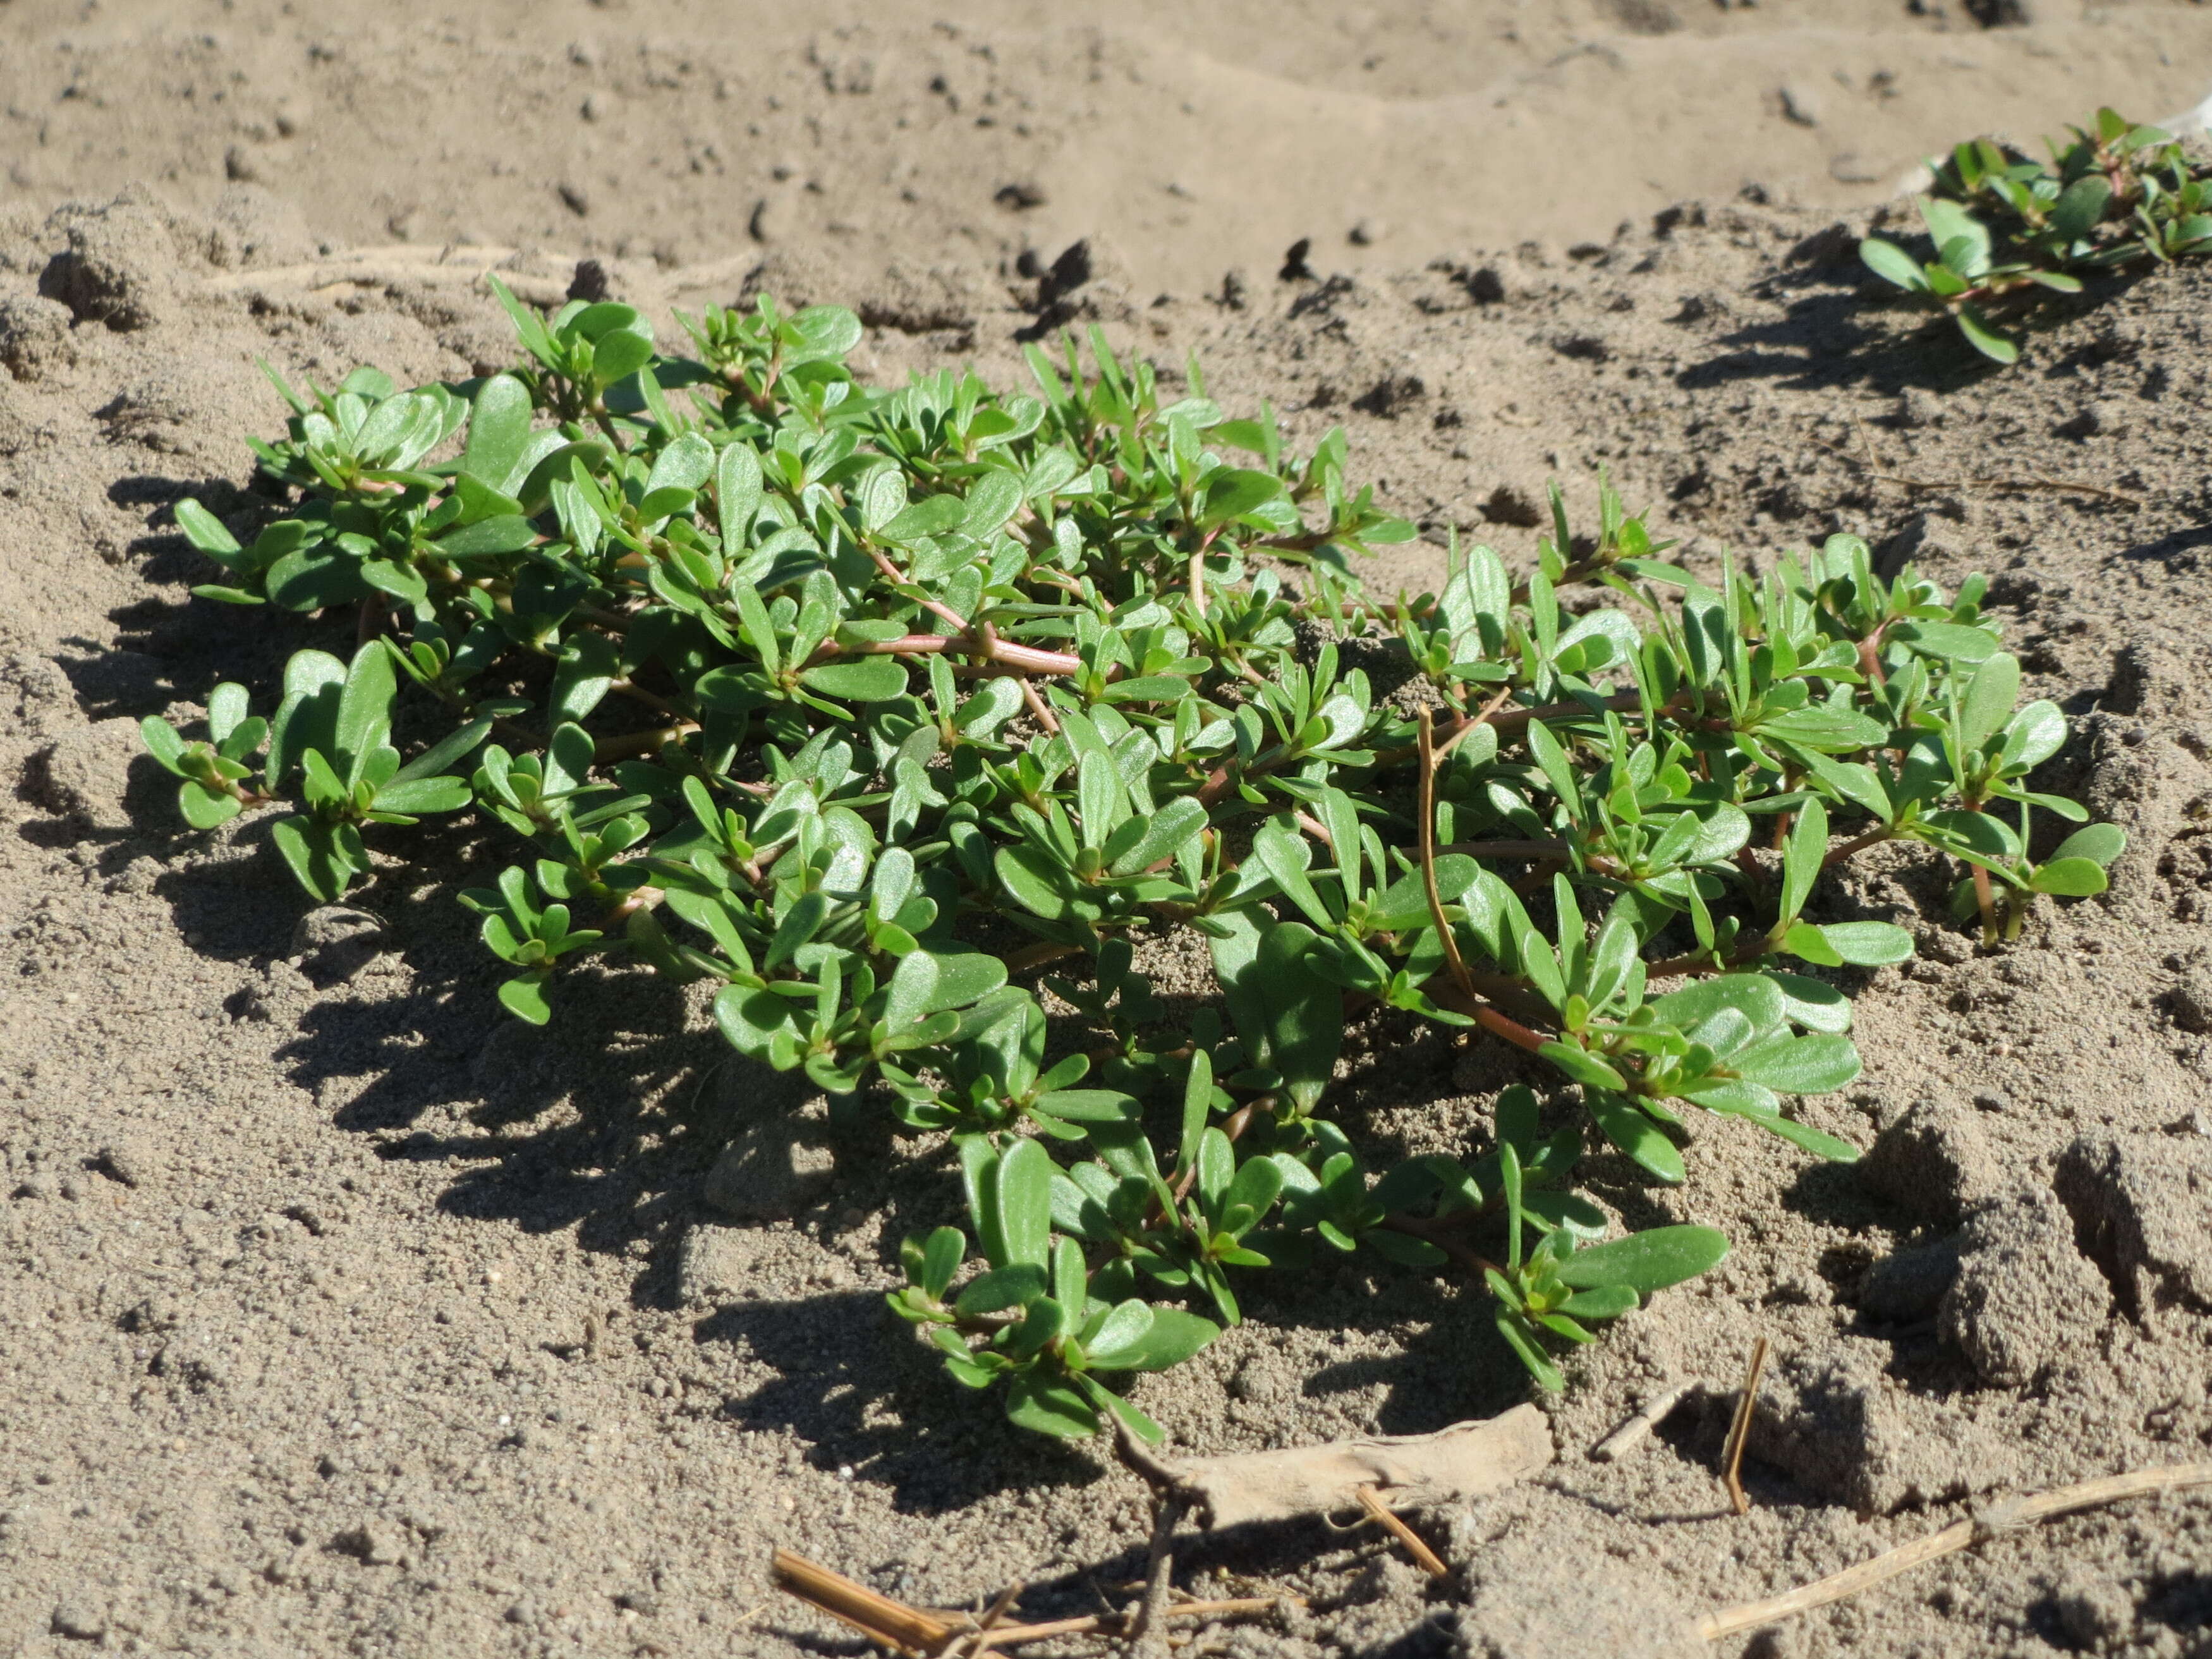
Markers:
point(1845, 330)
point(1832, 340)
point(863, 1398)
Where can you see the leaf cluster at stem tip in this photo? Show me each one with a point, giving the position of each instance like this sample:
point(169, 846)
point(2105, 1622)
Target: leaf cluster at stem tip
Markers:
point(2008, 231)
point(822, 694)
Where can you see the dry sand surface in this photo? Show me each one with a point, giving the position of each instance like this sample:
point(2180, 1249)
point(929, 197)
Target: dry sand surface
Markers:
point(341, 1315)
point(1197, 137)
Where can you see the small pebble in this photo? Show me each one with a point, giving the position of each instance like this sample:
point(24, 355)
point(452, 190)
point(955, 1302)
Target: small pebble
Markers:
point(79, 1622)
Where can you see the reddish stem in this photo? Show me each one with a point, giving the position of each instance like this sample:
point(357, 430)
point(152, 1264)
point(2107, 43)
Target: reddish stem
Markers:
point(1873, 837)
point(1871, 655)
point(1443, 1239)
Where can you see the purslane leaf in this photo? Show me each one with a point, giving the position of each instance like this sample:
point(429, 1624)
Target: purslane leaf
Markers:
point(1647, 1261)
point(1636, 1134)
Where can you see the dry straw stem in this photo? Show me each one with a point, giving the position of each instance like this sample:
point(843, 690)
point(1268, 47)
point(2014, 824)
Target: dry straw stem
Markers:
point(1159, 1574)
point(1635, 1430)
point(1423, 1557)
point(1740, 1430)
point(1873, 467)
point(1991, 1522)
point(878, 1617)
point(469, 265)
point(966, 1647)
point(941, 1635)
point(402, 262)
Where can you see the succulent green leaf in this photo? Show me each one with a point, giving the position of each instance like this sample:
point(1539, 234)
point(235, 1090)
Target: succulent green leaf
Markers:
point(1636, 1134)
point(2080, 205)
point(163, 743)
point(420, 795)
point(941, 1258)
point(1022, 1201)
point(2100, 843)
point(1603, 1302)
point(1304, 1013)
point(1754, 996)
point(1514, 1327)
point(203, 808)
point(1048, 1405)
point(1173, 1336)
point(1802, 855)
point(868, 679)
point(1647, 1261)
point(1984, 339)
point(1989, 701)
point(1804, 941)
point(204, 530)
point(1231, 492)
point(524, 998)
point(1799, 1066)
point(499, 432)
point(2070, 877)
point(1088, 1105)
point(1868, 943)
point(1583, 1066)
point(324, 857)
point(1015, 1284)
point(1892, 264)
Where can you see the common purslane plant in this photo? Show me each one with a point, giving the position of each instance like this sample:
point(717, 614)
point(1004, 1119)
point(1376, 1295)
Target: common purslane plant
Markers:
point(2008, 230)
point(889, 712)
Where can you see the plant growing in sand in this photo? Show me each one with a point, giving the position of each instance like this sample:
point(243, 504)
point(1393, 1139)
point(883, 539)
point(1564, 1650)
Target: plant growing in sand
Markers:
point(2009, 231)
point(912, 717)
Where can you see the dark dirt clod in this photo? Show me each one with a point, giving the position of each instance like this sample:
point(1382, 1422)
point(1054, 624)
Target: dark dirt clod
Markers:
point(1844, 1429)
point(2025, 1298)
point(1907, 1286)
point(1932, 1162)
point(2143, 1212)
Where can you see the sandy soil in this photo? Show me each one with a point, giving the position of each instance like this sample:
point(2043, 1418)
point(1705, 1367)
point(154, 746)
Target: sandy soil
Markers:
point(343, 1315)
point(1197, 138)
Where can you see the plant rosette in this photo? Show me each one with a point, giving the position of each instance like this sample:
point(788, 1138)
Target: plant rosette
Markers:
point(813, 691)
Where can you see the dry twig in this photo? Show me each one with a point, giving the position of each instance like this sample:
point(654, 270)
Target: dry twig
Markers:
point(1873, 467)
point(1423, 1557)
point(1635, 1430)
point(1740, 1430)
point(878, 1617)
point(1159, 1572)
point(1991, 1522)
point(417, 262)
point(405, 262)
point(978, 1640)
point(938, 1635)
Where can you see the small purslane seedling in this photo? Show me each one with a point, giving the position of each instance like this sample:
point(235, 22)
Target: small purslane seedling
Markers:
point(826, 694)
point(2008, 231)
